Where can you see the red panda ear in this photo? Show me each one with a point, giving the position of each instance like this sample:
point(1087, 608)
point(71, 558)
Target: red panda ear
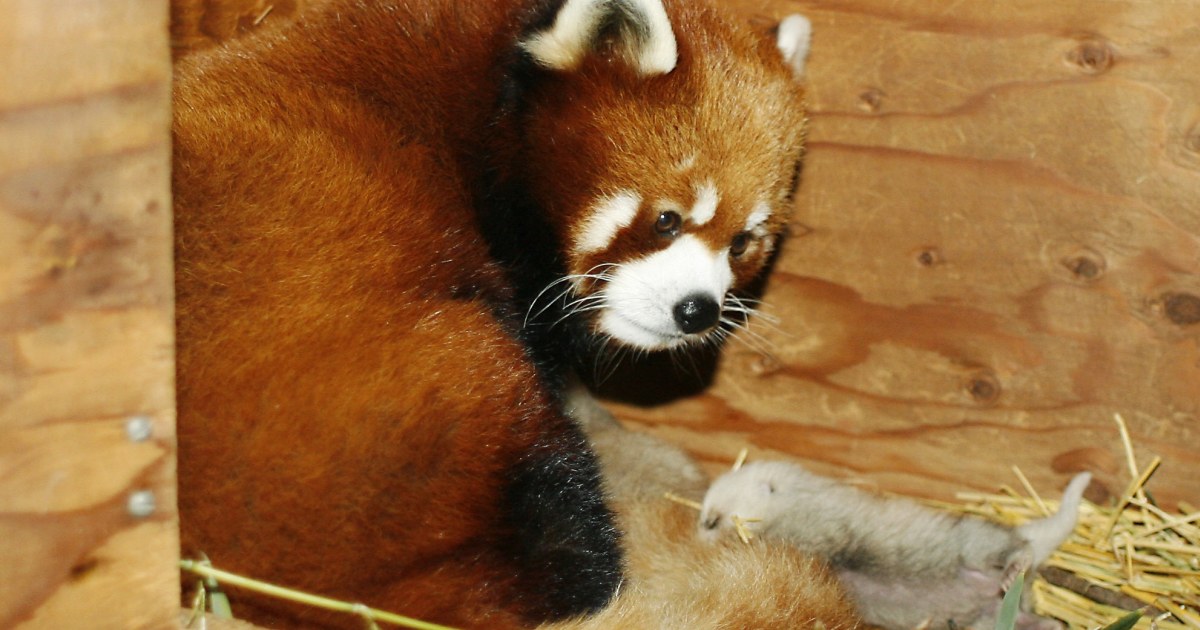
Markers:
point(793, 39)
point(643, 35)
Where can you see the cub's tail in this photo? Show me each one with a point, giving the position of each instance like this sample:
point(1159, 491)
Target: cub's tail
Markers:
point(1045, 535)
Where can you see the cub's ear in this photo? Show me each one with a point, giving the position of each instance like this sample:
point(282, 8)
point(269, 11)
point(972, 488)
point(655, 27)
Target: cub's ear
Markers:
point(793, 39)
point(638, 30)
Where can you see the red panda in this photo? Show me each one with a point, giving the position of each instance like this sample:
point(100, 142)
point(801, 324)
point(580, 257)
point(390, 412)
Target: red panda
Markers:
point(401, 226)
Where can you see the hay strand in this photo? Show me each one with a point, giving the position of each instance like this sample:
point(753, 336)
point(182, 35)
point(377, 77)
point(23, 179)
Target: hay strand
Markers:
point(743, 532)
point(361, 610)
point(1130, 556)
point(695, 505)
point(741, 459)
point(1029, 488)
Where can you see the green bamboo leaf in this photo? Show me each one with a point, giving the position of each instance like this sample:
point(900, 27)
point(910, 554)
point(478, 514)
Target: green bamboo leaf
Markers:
point(1126, 622)
point(1007, 620)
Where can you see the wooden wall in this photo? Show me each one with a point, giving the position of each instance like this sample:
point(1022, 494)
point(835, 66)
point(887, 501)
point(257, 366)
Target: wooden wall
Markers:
point(997, 248)
point(88, 534)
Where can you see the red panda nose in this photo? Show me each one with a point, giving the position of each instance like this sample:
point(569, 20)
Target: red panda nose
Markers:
point(696, 313)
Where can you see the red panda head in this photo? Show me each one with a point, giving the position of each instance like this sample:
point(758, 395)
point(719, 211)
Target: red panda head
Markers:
point(663, 145)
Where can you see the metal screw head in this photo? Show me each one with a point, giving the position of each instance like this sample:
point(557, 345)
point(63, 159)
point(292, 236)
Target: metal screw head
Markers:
point(141, 504)
point(139, 428)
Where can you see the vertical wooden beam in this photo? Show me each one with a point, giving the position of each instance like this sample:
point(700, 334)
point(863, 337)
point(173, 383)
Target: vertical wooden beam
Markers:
point(88, 531)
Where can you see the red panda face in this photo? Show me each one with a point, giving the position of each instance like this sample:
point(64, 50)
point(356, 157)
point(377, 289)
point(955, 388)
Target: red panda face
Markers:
point(668, 188)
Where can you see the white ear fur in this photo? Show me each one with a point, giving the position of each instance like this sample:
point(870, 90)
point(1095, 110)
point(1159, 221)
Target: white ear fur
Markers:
point(794, 39)
point(646, 39)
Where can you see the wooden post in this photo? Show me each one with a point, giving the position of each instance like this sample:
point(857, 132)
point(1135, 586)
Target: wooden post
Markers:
point(997, 247)
point(88, 528)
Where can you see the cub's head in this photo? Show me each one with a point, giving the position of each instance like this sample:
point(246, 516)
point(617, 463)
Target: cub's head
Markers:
point(747, 500)
point(663, 139)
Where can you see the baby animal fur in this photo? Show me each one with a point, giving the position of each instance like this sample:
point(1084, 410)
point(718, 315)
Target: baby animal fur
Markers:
point(904, 564)
point(678, 582)
point(675, 579)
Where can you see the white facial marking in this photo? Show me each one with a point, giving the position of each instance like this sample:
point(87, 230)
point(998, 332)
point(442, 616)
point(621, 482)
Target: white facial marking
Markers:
point(706, 203)
point(758, 216)
point(579, 22)
point(609, 216)
point(794, 40)
point(642, 294)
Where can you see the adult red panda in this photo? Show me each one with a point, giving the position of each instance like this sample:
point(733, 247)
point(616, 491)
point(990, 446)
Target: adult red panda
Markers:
point(399, 226)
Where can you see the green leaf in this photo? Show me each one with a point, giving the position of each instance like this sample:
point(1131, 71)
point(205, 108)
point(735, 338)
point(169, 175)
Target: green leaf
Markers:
point(1007, 620)
point(1126, 622)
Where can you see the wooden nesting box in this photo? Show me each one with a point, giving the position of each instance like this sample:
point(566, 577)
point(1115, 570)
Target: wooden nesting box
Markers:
point(996, 248)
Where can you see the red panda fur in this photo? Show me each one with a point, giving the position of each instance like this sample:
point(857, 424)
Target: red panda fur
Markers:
point(677, 581)
point(360, 414)
point(677, 578)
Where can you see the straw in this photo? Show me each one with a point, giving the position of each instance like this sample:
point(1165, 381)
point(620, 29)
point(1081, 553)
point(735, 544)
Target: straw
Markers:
point(369, 614)
point(1120, 558)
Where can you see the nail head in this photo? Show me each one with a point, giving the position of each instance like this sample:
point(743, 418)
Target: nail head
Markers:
point(141, 504)
point(139, 428)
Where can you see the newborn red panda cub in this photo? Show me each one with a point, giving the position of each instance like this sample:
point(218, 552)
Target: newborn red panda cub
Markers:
point(400, 225)
point(905, 565)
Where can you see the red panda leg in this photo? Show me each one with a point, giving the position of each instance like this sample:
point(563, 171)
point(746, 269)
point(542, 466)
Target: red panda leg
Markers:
point(429, 473)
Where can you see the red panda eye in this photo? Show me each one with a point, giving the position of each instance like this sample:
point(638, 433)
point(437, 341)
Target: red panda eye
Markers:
point(668, 223)
point(740, 243)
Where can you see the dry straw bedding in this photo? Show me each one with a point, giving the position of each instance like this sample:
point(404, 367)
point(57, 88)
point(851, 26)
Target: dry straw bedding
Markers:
point(1132, 555)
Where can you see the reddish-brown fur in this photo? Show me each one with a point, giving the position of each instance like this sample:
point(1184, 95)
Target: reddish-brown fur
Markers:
point(353, 400)
point(679, 582)
point(676, 579)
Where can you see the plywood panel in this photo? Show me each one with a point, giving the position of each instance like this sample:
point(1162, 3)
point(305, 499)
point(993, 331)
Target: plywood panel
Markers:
point(88, 534)
point(997, 248)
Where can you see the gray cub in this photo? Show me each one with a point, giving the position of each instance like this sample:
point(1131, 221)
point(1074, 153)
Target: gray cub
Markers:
point(904, 564)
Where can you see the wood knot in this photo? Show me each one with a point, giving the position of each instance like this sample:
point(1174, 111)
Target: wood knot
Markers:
point(871, 100)
point(1192, 141)
point(1092, 56)
point(1182, 309)
point(1084, 265)
point(929, 257)
point(983, 387)
point(82, 569)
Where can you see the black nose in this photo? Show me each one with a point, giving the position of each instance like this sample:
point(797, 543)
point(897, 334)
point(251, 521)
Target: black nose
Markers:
point(697, 313)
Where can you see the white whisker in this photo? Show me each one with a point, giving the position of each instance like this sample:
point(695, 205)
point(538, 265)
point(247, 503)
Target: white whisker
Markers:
point(748, 338)
point(601, 272)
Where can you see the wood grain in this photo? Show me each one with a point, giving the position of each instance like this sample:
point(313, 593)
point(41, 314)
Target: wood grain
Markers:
point(86, 328)
point(997, 248)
